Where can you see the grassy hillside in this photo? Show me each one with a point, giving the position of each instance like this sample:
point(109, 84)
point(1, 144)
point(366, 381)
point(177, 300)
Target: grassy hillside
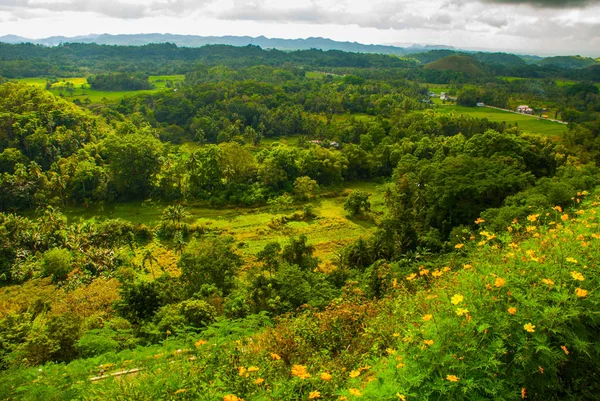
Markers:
point(464, 64)
point(568, 61)
point(509, 315)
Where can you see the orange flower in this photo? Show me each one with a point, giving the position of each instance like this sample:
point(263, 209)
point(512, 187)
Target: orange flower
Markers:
point(326, 376)
point(479, 220)
point(581, 293)
point(564, 217)
point(523, 393)
point(533, 217)
point(452, 378)
point(241, 371)
point(260, 380)
point(300, 371)
point(499, 282)
point(529, 327)
point(512, 311)
point(199, 343)
point(564, 348)
point(458, 246)
point(427, 317)
point(314, 395)
point(428, 342)
point(558, 209)
point(275, 357)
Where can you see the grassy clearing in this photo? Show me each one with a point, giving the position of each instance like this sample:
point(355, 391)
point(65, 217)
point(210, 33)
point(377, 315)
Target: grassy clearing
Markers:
point(559, 82)
point(83, 91)
point(329, 231)
point(526, 123)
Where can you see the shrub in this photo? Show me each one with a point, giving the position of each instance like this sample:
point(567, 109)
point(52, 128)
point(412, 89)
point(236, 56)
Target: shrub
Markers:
point(57, 263)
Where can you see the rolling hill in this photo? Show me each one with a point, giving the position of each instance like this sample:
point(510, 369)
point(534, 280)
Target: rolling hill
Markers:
point(458, 63)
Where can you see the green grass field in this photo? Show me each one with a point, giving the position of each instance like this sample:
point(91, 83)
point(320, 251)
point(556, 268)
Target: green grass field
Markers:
point(329, 231)
point(83, 91)
point(559, 82)
point(526, 123)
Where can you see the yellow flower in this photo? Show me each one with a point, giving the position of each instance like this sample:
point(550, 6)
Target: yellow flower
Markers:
point(231, 397)
point(577, 276)
point(529, 327)
point(437, 273)
point(355, 392)
point(499, 282)
point(571, 260)
point(300, 371)
point(181, 390)
point(401, 397)
point(275, 357)
point(424, 272)
point(479, 220)
point(564, 349)
point(314, 395)
point(458, 246)
point(428, 342)
point(557, 208)
point(564, 217)
point(547, 281)
point(253, 369)
point(241, 371)
point(260, 380)
point(326, 376)
point(390, 351)
point(533, 217)
point(355, 373)
point(452, 378)
point(456, 299)
point(411, 277)
point(427, 317)
point(461, 311)
point(512, 311)
point(199, 343)
point(581, 293)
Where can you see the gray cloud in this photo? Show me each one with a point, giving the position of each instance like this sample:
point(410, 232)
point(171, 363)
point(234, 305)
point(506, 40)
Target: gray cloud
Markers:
point(549, 3)
point(110, 8)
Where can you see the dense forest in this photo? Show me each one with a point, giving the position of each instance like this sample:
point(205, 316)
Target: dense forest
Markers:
point(477, 278)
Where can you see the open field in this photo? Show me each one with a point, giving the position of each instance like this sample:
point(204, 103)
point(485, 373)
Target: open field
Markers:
point(82, 90)
point(525, 122)
point(560, 82)
point(329, 231)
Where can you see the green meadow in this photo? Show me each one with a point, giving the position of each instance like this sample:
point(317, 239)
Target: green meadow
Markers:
point(329, 231)
point(527, 123)
point(83, 91)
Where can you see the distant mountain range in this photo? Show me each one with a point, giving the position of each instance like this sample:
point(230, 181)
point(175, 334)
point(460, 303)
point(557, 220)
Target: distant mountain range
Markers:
point(198, 41)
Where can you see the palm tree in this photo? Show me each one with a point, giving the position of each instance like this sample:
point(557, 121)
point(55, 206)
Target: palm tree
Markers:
point(151, 259)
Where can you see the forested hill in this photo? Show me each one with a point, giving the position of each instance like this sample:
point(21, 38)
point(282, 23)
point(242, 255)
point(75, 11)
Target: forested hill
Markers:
point(199, 41)
point(78, 59)
point(73, 58)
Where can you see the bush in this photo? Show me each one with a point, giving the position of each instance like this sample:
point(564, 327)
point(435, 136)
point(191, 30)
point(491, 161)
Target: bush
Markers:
point(57, 263)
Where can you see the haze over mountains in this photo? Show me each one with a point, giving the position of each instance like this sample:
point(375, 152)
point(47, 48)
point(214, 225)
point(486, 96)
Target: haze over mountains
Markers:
point(197, 41)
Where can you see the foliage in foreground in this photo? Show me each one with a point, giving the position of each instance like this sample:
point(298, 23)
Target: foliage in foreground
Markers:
point(508, 316)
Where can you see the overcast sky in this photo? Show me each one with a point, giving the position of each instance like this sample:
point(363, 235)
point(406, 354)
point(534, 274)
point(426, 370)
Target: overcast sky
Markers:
point(536, 26)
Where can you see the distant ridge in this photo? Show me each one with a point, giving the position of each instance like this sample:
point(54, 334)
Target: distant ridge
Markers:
point(198, 41)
